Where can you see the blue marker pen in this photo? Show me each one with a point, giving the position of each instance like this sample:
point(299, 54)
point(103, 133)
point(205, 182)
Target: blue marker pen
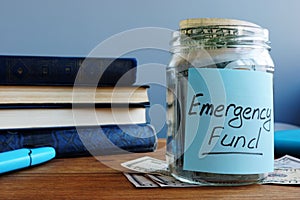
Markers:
point(287, 142)
point(21, 158)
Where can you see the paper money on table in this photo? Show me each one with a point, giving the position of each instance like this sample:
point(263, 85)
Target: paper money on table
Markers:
point(154, 169)
point(147, 164)
point(169, 181)
point(286, 176)
point(287, 171)
point(140, 180)
point(287, 162)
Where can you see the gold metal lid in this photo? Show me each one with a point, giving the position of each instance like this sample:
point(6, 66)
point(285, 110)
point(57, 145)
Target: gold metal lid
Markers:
point(197, 22)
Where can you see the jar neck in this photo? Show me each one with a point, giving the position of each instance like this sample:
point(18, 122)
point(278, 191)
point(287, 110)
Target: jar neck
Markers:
point(218, 37)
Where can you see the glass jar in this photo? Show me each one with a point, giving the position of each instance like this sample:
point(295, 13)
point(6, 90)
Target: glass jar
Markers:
point(220, 103)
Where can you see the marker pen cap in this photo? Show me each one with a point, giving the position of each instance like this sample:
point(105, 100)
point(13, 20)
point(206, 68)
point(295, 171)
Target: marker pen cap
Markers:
point(287, 142)
point(42, 154)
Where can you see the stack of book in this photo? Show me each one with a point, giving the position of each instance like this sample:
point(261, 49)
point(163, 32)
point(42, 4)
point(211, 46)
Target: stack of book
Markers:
point(79, 106)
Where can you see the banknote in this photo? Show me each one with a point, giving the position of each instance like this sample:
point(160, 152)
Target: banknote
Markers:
point(286, 171)
point(287, 162)
point(169, 181)
point(155, 173)
point(140, 180)
point(287, 176)
point(147, 164)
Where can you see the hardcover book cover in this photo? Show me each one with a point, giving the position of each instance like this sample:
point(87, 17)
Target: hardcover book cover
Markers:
point(71, 142)
point(47, 70)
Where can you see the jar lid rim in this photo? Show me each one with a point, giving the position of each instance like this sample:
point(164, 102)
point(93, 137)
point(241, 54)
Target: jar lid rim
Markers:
point(198, 22)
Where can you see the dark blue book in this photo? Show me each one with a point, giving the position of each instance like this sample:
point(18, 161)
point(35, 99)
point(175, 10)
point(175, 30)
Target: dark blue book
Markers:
point(83, 141)
point(50, 70)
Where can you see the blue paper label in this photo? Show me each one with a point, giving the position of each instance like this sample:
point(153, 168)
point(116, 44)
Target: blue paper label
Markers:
point(229, 122)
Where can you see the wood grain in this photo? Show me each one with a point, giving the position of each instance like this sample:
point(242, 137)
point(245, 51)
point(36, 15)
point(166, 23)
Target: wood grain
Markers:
point(88, 178)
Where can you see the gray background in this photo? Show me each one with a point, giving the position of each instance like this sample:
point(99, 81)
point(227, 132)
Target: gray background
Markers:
point(74, 28)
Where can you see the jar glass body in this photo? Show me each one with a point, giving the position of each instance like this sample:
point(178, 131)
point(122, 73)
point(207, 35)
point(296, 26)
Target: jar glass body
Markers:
point(191, 52)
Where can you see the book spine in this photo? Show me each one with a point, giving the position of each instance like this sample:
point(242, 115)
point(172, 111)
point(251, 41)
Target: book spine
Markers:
point(42, 70)
point(83, 141)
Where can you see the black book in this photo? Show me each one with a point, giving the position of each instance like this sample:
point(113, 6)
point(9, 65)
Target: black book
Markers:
point(64, 71)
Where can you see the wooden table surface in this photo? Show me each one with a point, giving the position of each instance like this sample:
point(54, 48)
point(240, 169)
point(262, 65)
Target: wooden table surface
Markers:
point(102, 178)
